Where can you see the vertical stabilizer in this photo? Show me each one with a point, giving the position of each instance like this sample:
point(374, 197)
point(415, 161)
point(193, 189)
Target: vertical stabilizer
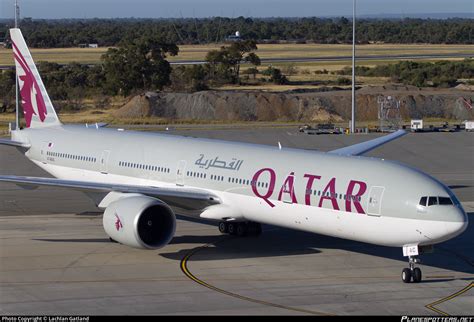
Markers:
point(37, 107)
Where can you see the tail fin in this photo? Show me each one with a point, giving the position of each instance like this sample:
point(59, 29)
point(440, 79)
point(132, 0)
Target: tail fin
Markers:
point(37, 107)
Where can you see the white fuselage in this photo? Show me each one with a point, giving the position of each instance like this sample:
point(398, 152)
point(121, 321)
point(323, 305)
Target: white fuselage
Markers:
point(357, 198)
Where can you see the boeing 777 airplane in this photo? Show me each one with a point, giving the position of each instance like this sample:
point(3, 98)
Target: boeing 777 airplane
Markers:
point(141, 180)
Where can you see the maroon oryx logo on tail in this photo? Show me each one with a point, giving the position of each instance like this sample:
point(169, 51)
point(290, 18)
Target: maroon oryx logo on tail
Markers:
point(32, 98)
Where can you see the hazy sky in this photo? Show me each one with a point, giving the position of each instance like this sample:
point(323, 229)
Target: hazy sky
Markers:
point(235, 8)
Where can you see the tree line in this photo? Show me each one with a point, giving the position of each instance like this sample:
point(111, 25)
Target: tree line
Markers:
point(110, 32)
point(139, 64)
point(135, 65)
point(420, 74)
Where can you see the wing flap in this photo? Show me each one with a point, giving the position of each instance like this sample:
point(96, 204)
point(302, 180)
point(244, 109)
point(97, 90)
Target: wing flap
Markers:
point(186, 198)
point(364, 147)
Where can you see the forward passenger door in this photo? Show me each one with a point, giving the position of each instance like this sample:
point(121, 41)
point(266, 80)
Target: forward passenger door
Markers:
point(180, 173)
point(104, 161)
point(374, 202)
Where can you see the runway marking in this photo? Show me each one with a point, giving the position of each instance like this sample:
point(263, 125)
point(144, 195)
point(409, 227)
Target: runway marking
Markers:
point(431, 306)
point(185, 270)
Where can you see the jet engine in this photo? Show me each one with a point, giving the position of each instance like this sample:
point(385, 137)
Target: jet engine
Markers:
point(140, 222)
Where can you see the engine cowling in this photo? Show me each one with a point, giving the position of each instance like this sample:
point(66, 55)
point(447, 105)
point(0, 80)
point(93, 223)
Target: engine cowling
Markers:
point(140, 222)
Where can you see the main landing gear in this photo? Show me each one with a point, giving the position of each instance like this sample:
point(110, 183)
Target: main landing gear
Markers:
point(240, 229)
point(412, 274)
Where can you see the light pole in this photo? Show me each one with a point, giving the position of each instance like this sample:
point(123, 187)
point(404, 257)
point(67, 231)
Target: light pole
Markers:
point(17, 104)
point(353, 115)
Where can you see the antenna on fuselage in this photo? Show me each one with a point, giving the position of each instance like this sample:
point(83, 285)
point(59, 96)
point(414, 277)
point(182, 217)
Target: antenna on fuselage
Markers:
point(17, 103)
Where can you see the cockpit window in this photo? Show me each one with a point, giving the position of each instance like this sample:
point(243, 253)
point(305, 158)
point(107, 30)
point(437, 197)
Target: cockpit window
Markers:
point(423, 201)
point(445, 201)
point(432, 201)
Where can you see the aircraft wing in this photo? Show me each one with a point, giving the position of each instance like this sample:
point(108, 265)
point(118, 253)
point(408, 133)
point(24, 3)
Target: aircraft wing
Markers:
point(185, 198)
point(14, 143)
point(361, 148)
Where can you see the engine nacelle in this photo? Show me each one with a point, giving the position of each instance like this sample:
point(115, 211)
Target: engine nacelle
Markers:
point(140, 222)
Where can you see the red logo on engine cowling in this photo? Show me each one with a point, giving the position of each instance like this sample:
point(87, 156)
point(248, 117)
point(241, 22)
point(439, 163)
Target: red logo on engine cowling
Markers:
point(118, 223)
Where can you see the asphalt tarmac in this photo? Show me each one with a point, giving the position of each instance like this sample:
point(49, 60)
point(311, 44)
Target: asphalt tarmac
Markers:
point(55, 257)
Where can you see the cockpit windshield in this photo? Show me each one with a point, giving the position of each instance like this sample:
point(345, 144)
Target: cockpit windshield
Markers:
point(445, 201)
point(423, 201)
point(432, 201)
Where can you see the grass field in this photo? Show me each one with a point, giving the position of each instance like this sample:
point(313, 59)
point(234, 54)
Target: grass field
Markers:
point(57, 55)
point(305, 76)
point(90, 116)
point(305, 71)
point(198, 52)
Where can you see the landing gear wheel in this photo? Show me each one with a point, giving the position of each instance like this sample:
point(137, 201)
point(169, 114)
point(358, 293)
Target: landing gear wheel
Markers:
point(113, 240)
point(223, 227)
point(412, 273)
point(231, 229)
point(241, 229)
point(254, 229)
point(406, 275)
point(416, 275)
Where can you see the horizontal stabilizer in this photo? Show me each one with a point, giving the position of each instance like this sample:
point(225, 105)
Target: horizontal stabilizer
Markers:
point(15, 143)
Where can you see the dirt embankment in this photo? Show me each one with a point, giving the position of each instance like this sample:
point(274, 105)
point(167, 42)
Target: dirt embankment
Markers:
point(307, 106)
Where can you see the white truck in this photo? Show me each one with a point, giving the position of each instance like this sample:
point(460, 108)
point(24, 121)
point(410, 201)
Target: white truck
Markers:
point(469, 126)
point(416, 125)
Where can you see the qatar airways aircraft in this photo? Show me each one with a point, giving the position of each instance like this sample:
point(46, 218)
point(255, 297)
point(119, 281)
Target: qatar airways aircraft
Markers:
point(143, 179)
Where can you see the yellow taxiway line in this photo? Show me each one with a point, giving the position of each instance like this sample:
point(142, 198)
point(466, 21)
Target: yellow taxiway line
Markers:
point(187, 272)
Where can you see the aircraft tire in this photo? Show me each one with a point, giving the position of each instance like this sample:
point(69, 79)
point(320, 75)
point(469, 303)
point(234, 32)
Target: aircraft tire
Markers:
point(223, 227)
point(406, 275)
point(416, 275)
point(232, 229)
point(254, 229)
point(242, 229)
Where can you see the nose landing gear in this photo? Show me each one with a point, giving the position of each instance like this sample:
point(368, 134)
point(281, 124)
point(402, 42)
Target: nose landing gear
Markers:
point(412, 274)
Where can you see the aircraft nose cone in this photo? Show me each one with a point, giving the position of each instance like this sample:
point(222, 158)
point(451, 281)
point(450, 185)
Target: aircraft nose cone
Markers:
point(455, 228)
